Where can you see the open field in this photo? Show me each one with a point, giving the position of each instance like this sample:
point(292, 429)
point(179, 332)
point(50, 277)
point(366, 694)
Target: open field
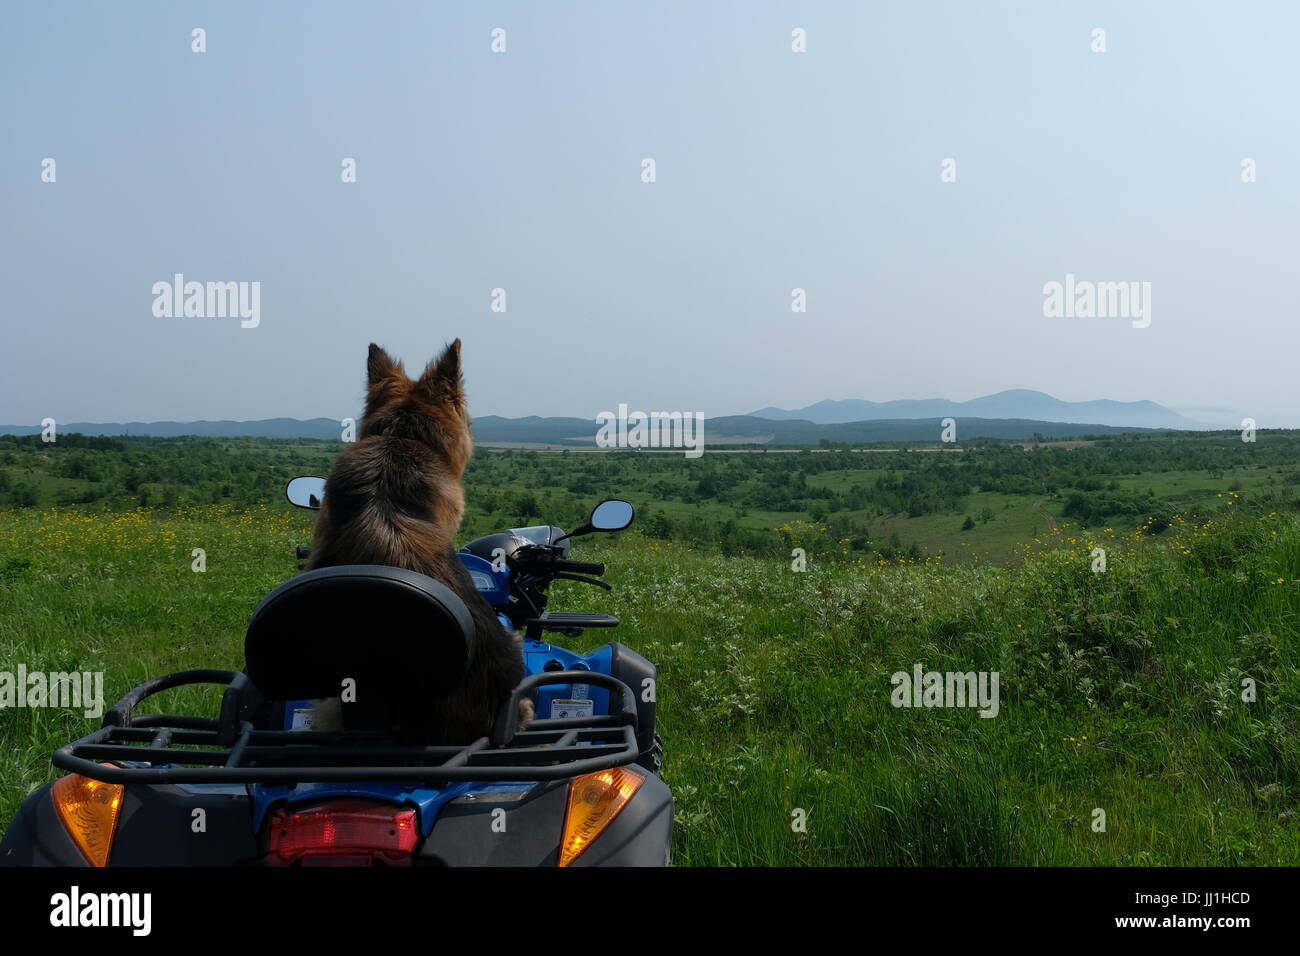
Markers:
point(1120, 690)
point(889, 501)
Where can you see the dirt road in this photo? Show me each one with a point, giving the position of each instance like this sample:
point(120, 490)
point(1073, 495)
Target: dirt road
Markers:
point(1051, 522)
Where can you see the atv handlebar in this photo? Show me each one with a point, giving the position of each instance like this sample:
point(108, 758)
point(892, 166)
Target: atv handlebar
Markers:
point(578, 567)
point(546, 560)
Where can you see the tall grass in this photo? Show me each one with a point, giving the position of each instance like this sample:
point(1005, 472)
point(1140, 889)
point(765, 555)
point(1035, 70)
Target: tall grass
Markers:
point(1121, 691)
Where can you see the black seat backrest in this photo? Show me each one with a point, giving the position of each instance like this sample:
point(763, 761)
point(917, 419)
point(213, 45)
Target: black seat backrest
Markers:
point(396, 633)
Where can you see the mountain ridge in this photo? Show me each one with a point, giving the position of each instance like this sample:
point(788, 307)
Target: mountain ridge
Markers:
point(1015, 403)
point(581, 432)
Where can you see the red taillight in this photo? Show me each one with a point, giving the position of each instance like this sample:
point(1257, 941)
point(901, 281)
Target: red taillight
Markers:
point(342, 833)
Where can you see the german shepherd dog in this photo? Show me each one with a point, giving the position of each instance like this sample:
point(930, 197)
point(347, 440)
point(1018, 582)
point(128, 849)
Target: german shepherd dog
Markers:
point(394, 497)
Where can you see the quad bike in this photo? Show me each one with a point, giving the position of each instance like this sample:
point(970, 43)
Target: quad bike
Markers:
point(256, 785)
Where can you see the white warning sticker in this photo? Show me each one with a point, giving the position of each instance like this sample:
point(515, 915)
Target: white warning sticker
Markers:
point(572, 708)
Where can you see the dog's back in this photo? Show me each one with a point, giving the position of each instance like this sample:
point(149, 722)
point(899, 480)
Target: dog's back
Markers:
point(395, 498)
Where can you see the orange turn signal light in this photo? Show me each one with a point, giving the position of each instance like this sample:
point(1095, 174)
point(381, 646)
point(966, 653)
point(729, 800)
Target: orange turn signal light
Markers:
point(88, 809)
point(595, 799)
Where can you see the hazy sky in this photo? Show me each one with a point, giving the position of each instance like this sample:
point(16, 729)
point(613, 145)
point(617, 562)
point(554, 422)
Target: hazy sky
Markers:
point(522, 170)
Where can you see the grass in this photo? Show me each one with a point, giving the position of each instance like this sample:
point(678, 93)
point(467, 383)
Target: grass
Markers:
point(1119, 691)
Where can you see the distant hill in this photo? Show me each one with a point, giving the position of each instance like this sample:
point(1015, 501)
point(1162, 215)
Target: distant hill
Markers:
point(323, 428)
point(892, 430)
point(581, 432)
point(1018, 403)
point(556, 431)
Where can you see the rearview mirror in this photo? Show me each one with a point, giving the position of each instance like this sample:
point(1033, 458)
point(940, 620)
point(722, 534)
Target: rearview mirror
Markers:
point(306, 492)
point(611, 515)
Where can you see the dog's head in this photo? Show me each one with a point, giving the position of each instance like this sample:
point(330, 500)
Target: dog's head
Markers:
point(430, 409)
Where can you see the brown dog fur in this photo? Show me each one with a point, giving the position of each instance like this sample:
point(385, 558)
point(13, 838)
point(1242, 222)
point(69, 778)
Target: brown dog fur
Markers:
point(394, 497)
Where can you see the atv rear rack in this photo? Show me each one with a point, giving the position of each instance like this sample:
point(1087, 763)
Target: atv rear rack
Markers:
point(163, 748)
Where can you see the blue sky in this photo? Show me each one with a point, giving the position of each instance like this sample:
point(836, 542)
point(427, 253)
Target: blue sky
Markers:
point(522, 171)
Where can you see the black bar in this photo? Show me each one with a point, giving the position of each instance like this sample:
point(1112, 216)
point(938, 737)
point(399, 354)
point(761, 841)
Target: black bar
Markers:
point(293, 775)
point(504, 757)
point(120, 713)
point(506, 726)
point(237, 751)
point(170, 720)
point(475, 762)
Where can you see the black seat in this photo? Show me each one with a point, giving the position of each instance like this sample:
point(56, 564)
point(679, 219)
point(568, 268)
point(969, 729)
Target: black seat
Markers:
point(398, 634)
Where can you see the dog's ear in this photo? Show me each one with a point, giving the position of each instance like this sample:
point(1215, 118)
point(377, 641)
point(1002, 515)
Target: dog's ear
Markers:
point(442, 379)
point(380, 365)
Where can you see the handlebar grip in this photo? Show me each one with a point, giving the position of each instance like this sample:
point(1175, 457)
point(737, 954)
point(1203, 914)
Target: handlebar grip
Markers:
point(579, 567)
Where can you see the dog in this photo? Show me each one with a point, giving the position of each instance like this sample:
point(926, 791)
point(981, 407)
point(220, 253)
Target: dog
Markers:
point(394, 497)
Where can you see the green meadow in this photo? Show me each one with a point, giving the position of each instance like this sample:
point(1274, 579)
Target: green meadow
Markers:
point(1148, 713)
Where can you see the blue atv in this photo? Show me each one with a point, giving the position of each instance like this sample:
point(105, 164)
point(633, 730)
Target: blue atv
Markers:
point(256, 785)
